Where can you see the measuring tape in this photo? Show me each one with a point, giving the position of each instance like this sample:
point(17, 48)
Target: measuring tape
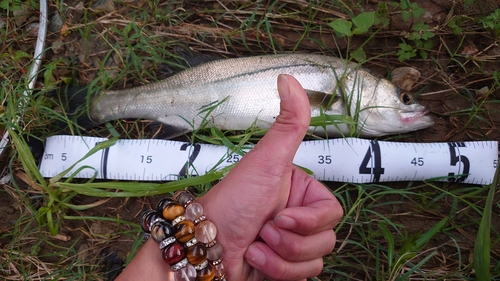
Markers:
point(344, 160)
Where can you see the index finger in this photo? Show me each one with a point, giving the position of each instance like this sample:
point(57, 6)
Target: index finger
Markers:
point(311, 207)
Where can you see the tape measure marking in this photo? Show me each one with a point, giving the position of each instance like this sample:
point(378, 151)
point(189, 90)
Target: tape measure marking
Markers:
point(346, 160)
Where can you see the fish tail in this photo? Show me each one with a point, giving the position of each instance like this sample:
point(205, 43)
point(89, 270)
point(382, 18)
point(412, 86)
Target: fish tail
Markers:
point(75, 102)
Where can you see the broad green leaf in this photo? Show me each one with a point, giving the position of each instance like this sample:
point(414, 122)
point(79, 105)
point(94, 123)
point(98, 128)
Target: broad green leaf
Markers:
point(363, 22)
point(342, 26)
point(359, 55)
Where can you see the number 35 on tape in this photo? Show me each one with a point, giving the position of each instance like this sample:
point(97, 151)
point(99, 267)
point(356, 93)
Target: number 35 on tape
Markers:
point(345, 160)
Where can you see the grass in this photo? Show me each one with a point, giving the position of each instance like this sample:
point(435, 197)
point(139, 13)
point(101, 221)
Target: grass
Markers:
point(66, 229)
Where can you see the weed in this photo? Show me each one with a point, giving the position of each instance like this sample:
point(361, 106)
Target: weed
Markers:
point(394, 231)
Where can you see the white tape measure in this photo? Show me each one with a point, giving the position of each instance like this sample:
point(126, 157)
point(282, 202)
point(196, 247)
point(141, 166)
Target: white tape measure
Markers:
point(345, 160)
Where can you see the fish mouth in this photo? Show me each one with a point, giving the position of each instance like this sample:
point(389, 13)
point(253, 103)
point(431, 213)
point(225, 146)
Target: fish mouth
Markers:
point(413, 117)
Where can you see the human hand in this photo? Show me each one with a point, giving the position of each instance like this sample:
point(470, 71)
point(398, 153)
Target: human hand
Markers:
point(265, 196)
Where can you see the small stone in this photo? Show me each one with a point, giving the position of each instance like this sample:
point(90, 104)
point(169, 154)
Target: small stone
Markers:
point(427, 17)
point(58, 46)
point(469, 50)
point(5, 179)
point(405, 77)
point(104, 6)
point(83, 252)
point(56, 23)
point(483, 91)
point(33, 28)
point(97, 228)
point(3, 23)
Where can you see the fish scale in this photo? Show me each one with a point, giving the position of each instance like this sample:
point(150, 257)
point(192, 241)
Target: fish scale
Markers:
point(244, 91)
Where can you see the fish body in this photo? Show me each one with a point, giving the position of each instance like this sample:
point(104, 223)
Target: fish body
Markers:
point(235, 94)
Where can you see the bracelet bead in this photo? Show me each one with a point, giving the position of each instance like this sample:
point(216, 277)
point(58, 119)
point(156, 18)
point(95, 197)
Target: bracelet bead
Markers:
point(193, 211)
point(196, 254)
point(173, 253)
point(184, 197)
point(162, 203)
point(161, 230)
point(147, 217)
point(187, 273)
point(214, 253)
point(172, 210)
point(186, 238)
point(206, 274)
point(220, 270)
point(184, 231)
point(206, 232)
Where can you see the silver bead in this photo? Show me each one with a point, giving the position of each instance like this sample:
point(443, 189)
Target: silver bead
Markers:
point(179, 265)
point(200, 219)
point(178, 220)
point(167, 241)
point(201, 265)
point(191, 242)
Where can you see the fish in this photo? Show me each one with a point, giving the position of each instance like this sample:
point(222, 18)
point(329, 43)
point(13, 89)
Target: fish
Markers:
point(238, 93)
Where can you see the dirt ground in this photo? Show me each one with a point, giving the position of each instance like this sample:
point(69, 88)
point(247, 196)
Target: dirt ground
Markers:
point(450, 85)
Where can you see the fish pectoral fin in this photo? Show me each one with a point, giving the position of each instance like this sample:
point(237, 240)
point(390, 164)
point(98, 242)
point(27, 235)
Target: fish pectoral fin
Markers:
point(317, 99)
point(166, 131)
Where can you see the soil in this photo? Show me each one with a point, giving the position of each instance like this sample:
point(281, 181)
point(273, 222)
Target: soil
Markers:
point(448, 84)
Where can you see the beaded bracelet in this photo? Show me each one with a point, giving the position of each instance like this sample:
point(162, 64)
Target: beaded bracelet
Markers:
point(186, 238)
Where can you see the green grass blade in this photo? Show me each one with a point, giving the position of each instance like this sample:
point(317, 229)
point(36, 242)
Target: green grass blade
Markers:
point(27, 159)
point(482, 245)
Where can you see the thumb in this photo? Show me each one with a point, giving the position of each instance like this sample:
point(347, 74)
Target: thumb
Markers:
point(277, 148)
point(286, 134)
point(269, 163)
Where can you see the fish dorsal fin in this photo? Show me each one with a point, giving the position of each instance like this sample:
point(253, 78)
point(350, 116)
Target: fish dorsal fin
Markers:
point(317, 99)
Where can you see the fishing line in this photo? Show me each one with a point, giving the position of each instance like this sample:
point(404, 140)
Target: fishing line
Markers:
point(37, 55)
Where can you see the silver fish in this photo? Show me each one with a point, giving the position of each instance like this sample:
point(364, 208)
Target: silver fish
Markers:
point(243, 93)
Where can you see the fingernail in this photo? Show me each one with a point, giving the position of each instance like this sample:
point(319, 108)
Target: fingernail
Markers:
point(285, 222)
point(269, 234)
point(255, 255)
point(283, 89)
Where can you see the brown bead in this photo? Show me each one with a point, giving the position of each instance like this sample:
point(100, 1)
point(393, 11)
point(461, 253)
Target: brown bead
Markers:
point(183, 196)
point(161, 230)
point(173, 253)
point(172, 210)
point(206, 274)
point(146, 218)
point(184, 231)
point(162, 203)
point(196, 254)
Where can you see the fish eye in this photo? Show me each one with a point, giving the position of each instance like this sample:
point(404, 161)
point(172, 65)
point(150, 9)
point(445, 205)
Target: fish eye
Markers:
point(406, 98)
